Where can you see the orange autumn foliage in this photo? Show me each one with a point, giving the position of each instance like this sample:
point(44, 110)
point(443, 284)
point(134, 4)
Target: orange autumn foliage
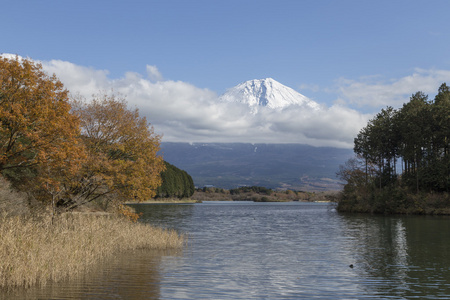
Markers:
point(71, 153)
point(37, 129)
point(128, 213)
point(122, 150)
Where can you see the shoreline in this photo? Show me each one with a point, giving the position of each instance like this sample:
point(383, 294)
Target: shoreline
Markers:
point(395, 202)
point(169, 201)
point(192, 201)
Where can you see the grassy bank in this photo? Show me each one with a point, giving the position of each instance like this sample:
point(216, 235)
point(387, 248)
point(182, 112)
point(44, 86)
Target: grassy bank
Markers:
point(216, 194)
point(394, 200)
point(33, 251)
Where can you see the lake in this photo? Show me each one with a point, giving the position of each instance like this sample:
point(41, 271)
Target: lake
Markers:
point(294, 250)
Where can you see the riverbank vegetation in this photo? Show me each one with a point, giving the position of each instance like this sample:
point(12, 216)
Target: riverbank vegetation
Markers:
point(61, 158)
point(176, 183)
point(259, 194)
point(36, 250)
point(403, 160)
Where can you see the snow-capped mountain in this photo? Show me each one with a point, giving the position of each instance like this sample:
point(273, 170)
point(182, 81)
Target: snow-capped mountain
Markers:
point(266, 92)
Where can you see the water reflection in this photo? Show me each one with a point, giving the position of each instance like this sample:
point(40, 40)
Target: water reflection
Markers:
point(276, 251)
point(404, 256)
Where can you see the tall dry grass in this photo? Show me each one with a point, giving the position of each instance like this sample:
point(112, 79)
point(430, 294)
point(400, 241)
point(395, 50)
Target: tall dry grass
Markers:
point(12, 201)
point(33, 251)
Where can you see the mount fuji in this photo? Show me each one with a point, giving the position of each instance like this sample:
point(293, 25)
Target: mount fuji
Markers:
point(267, 93)
point(279, 166)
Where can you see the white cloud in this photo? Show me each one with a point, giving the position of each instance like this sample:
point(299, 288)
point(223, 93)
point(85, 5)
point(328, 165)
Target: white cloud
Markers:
point(182, 112)
point(374, 92)
point(153, 73)
point(86, 80)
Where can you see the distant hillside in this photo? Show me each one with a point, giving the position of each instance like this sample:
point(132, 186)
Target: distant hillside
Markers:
point(294, 166)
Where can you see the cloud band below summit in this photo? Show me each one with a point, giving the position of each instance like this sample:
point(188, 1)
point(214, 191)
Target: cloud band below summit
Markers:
point(182, 112)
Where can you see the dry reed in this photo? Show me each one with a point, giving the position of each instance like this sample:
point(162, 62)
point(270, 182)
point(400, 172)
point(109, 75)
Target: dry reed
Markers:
point(33, 251)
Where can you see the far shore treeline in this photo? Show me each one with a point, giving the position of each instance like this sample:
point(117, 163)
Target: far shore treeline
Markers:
point(402, 162)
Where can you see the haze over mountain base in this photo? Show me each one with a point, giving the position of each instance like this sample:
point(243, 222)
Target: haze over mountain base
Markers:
point(284, 166)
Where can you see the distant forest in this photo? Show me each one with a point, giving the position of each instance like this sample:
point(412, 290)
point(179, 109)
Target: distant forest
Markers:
point(402, 162)
point(176, 183)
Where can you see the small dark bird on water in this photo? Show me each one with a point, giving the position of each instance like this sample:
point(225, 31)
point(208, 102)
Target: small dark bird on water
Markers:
point(351, 266)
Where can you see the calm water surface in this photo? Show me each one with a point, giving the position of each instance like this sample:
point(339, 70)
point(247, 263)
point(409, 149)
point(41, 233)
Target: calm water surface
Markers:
point(246, 250)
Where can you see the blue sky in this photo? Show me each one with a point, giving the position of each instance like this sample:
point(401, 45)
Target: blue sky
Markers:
point(359, 55)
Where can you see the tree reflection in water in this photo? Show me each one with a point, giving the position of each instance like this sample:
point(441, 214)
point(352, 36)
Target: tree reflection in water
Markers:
point(400, 255)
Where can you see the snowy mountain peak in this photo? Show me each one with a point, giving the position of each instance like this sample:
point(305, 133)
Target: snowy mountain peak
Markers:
point(266, 92)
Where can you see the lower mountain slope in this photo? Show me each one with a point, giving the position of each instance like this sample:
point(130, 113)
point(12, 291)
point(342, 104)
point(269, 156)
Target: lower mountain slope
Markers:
point(230, 165)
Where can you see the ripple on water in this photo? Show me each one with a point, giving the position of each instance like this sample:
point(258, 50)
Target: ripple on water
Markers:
point(275, 251)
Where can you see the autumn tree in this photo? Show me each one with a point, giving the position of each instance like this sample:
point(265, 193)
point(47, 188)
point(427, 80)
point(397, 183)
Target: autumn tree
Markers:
point(122, 152)
point(38, 133)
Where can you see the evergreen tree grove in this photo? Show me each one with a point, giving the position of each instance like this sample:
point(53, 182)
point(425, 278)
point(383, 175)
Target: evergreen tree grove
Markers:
point(175, 183)
point(402, 154)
